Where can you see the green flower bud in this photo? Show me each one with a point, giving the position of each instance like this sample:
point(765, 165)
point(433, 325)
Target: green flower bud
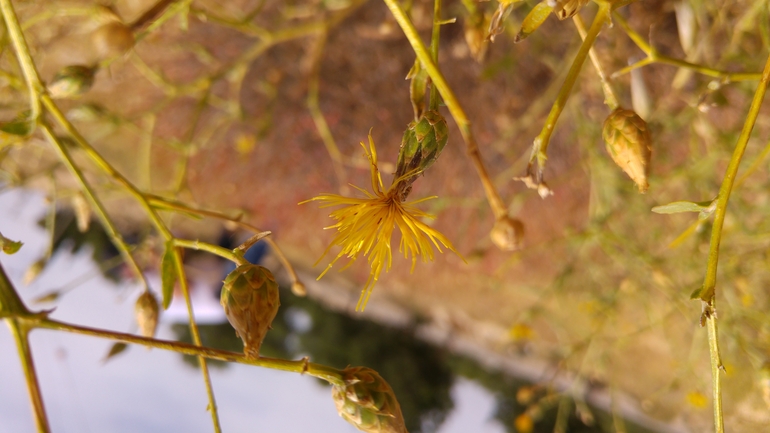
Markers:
point(628, 142)
point(146, 311)
point(421, 145)
point(368, 402)
point(71, 81)
point(250, 299)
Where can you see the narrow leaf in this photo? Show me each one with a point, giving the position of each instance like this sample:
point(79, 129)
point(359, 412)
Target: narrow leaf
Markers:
point(682, 206)
point(168, 274)
point(115, 350)
point(533, 20)
point(48, 297)
point(9, 246)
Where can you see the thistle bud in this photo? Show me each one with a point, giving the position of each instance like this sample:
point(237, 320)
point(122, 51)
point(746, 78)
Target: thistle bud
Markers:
point(112, 40)
point(507, 233)
point(71, 81)
point(421, 145)
point(250, 299)
point(147, 311)
point(628, 142)
point(566, 8)
point(368, 402)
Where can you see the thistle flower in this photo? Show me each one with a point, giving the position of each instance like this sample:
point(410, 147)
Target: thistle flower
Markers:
point(365, 226)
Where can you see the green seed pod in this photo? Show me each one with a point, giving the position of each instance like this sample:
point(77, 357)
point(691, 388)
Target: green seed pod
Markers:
point(421, 145)
point(71, 81)
point(146, 311)
point(628, 142)
point(507, 233)
point(566, 8)
point(368, 402)
point(112, 40)
point(250, 299)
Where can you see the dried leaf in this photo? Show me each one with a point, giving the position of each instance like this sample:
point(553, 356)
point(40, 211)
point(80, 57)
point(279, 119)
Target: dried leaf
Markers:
point(168, 274)
point(47, 298)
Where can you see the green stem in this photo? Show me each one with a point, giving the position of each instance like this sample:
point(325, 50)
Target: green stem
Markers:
point(654, 57)
point(716, 369)
point(609, 95)
point(197, 340)
point(706, 293)
point(34, 85)
point(435, 37)
point(213, 249)
point(328, 374)
point(95, 203)
point(455, 109)
point(540, 145)
point(20, 334)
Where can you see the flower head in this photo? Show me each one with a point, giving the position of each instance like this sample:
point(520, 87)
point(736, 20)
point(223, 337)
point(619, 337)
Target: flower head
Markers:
point(365, 226)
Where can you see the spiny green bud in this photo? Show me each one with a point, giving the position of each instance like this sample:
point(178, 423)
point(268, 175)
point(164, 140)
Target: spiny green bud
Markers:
point(250, 299)
point(368, 402)
point(71, 81)
point(147, 311)
point(507, 233)
point(421, 145)
point(566, 8)
point(628, 142)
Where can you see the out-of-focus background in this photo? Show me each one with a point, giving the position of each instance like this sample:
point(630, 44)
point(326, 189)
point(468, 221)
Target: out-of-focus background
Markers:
point(254, 106)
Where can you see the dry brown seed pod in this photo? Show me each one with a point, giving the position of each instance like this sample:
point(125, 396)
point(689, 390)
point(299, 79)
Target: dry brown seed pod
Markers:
point(368, 402)
point(147, 311)
point(629, 143)
point(250, 299)
point(507, 233)
point(112, 40)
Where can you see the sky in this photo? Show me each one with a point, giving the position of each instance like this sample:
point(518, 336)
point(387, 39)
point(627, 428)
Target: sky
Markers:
point(144, 390)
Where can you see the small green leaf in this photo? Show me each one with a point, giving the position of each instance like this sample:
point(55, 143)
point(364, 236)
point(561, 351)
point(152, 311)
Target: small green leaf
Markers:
point(168, 274)
point(22, 125)
point(8, 246)
point(115, 350)
point(683, 206)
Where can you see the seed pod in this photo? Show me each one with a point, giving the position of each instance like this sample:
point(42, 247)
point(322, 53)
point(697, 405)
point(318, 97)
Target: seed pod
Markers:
point(71, 81)
point(566, 8)
point(628, 142)
point(421, 145)
point(507, 233)
point(112, 40)
point(250, 299)
point(368, 402)
point(147, 311)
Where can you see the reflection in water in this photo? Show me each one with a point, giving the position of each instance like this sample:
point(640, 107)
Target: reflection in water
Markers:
point(421, 375)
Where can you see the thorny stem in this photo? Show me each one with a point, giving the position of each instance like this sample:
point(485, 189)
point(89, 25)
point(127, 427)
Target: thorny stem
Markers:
point(707, 293)
point(302, 366)
point(609, 95)
point(455, 109)
point(654, 57)
point(13, 309)
point(95, 203)
point(540, 144)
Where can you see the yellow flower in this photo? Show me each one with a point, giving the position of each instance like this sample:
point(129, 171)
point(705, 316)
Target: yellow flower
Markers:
point(365, 226)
